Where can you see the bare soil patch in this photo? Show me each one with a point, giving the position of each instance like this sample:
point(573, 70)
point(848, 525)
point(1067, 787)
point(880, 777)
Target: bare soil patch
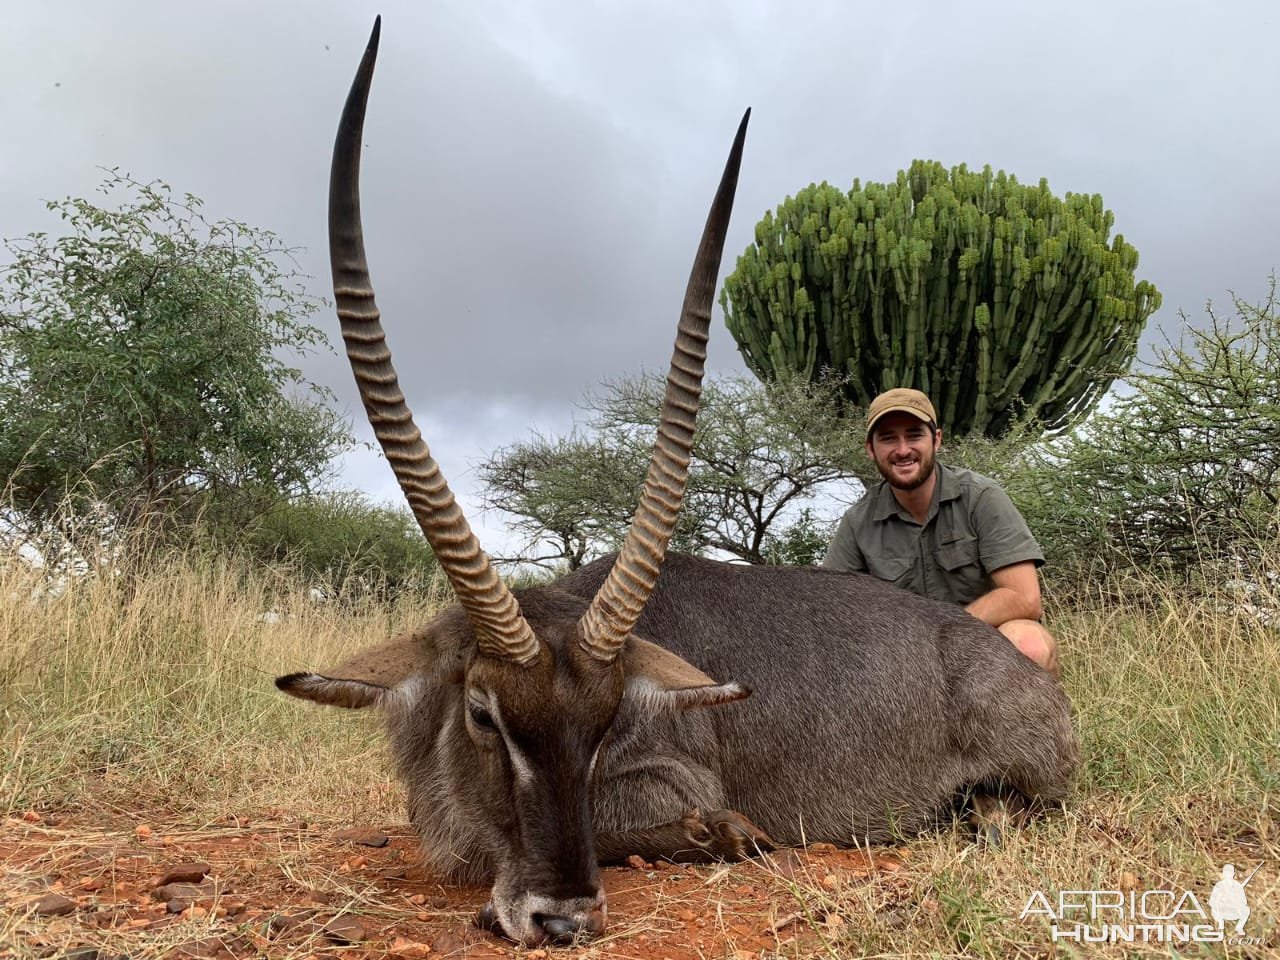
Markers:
point(77, 885)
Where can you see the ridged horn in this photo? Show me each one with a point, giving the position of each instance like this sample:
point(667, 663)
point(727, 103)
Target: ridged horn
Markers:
point(616, 607)
point(500, 628)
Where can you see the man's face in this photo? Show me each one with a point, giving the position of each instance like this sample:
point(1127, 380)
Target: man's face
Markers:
point(903, 449)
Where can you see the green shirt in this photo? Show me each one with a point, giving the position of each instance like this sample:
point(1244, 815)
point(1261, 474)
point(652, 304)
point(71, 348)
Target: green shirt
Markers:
point(972, 529)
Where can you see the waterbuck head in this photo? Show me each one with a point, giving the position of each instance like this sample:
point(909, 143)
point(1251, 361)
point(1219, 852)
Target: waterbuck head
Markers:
point(499, 707)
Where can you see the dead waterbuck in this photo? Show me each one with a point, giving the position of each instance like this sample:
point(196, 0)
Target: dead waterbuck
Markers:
point(542, 731)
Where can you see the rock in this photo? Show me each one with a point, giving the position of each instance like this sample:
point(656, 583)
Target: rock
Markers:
point(448, 944)
point(364, 836)
point(343, 931)
point(282, 923)
point(176, 906)
point(404, 947)
point(637, 863)
point(185, 873)
point(54, 905)
point(786, 921)
point(184, 891)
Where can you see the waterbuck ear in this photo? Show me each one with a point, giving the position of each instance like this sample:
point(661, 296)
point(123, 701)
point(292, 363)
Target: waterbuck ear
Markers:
point(380, 676)
point(670, 682)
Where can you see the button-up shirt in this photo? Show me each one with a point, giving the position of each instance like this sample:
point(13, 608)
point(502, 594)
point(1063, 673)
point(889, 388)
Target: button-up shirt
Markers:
point(972, 528)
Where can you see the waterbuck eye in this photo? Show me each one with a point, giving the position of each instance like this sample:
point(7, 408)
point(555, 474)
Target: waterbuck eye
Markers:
point(481, 717)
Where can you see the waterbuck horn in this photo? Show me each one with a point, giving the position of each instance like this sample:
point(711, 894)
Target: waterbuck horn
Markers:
point(616, 607)
point(500, 628)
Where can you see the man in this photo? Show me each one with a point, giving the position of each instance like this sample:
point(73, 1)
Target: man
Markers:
point(941, 531)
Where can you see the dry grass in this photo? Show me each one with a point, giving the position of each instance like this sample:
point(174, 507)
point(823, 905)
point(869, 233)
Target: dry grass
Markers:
point(158, 697)
point(159, 692)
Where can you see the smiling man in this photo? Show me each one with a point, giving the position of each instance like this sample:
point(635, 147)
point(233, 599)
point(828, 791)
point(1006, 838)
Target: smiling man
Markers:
point(941, 531)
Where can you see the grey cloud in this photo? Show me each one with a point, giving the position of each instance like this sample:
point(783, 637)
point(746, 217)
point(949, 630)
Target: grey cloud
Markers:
point(536, 174)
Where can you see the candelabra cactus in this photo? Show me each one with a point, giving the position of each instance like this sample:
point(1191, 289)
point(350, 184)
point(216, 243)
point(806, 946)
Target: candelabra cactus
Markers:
point(998, 299)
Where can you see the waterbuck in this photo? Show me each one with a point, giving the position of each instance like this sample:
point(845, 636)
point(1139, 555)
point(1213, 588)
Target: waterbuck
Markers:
point(686, 709)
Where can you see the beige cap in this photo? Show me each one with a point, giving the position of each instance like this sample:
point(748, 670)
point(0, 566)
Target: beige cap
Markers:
point(900, 400)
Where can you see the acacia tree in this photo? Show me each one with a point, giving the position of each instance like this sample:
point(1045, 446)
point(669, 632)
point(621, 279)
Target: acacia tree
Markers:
point(571, 498)
point(1000, 300)
point(762, 455)
point(140, 362)
point(1183, 469)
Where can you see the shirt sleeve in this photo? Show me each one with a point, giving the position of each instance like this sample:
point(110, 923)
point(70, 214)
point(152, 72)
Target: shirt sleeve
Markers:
point(843, 552)
point(1003, 535)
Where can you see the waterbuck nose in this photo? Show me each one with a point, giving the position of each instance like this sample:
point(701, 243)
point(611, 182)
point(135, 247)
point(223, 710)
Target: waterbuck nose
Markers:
point(562, 930)
point(559, 929)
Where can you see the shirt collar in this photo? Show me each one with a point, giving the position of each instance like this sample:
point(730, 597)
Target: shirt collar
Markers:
point(887, 506)
point(948, 485)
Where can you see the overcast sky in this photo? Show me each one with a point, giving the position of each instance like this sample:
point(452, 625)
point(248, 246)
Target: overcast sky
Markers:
point(536, 174)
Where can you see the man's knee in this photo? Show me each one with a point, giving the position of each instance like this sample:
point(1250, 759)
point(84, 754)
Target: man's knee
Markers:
point(1034, 641)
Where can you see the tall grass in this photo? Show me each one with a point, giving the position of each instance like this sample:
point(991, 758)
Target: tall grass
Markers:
point(156, 688)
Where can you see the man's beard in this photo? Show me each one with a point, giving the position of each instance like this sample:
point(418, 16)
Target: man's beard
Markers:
point(924, 472)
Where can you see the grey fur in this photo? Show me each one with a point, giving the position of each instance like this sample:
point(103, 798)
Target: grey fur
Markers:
point(872, 707)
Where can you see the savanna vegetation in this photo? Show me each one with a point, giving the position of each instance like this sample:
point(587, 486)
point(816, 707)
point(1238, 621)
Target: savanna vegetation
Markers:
point(136, 660)
point(154, 710)
point(148, 387)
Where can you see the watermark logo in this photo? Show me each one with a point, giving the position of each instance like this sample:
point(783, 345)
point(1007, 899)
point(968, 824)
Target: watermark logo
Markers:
point(1160, 916)
point(1228, 900)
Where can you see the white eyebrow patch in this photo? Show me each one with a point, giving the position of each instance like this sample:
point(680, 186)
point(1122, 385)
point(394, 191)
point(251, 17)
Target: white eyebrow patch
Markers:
point(519, 762)
point(405, 694)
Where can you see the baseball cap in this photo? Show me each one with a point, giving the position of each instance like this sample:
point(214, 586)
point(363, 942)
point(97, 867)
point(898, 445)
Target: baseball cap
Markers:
point(900, 400)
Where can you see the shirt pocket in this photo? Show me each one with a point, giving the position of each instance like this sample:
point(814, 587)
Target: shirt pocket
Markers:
point(896, 570)
point(959, 558)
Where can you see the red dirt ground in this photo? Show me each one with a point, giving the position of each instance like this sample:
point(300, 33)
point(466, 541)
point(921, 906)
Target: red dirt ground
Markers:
point(281, 889)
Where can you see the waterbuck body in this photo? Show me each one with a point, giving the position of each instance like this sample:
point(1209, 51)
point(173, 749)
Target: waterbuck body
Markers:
point(661, 706)
point(871, 707)
point(870, 710)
